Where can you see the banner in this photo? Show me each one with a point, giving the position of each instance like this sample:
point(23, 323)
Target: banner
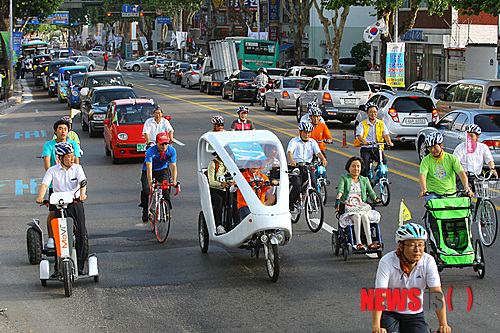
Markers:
point(6, 39)
point(144, 42)
point(395, 65)
point(180, 38)
point(373, 30)
point(274, 11)
point(57, 18)
point(17, 37)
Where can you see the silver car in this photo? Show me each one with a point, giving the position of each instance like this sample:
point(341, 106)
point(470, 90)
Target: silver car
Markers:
point(97, 51)
point(452, 127)
point(139, 64)
point(430, 88)
point(283, 93)
point(84, 61)
point(191, 76)
point(403, 112)
point(157, 66)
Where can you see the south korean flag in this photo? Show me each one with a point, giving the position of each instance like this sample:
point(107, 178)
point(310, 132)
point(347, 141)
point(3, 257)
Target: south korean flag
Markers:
point(373, 30)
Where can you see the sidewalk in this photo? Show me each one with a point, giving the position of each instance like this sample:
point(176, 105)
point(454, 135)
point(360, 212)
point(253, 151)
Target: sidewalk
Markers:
point(17, 96)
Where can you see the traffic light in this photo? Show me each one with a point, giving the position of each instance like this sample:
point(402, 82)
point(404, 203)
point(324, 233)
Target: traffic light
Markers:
point(141, 14)
point(108, 14)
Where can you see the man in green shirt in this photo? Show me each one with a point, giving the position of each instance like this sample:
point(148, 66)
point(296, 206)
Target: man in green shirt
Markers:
point(438, 169)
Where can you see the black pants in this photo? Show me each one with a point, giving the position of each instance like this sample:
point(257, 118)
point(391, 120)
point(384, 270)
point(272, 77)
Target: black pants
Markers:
point(254, 97)
point(159, 176)
point(77, 212)
point(367, 155)
point(297, 181)
point(219, 199)
point(105, 68)
point(404, 323)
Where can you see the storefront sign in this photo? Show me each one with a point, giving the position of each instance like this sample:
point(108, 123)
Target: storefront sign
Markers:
point(413, 35)
point(395, 68)
point(273, 33)
point(274, 10)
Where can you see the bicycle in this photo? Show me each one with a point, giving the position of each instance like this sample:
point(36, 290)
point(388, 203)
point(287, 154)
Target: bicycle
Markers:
point(378, 175)
point(485, 214)
point(321, 178)
point(310, 201)
point(159, 211)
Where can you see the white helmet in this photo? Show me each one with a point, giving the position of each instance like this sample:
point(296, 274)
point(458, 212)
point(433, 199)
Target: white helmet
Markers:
point(410, 231)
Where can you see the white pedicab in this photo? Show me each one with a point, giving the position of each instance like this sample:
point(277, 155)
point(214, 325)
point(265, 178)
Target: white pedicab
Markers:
point(265, 227)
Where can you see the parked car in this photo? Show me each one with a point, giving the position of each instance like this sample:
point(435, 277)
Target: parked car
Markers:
point(123, 138)
point(51, 75)
point(157, 66)
point(60, 54)
point(378, 86)
point(283, 93)
point(191, 76)
point(338, 96)
point(168, 70)
point(309, 71)
point(100, 79)
point(139, 64)
point(430, 88)
point(37, 72)
point(452, 127)
point(345, 64)
point(74, 83)
point(84, 61)
point(239, 85)
point(38, 59)
point(176, 73)
point(97, 51)
point(93, 109)
point(470, 94)
point(63, 84)
point(403, 112)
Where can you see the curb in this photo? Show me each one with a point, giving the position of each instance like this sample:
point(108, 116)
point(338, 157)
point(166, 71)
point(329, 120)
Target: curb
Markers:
point(15, 99)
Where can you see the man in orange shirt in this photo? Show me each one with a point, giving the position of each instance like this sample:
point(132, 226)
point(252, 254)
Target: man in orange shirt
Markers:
point(321, 131)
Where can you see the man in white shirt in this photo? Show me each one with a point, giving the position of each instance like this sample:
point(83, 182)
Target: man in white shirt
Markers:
point(157, 124)
point(301, 149)
point(409, 267)
point(473, 162)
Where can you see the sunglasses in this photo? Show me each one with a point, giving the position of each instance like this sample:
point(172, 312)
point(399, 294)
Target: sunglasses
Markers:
point(219, 125)
point(164, 144)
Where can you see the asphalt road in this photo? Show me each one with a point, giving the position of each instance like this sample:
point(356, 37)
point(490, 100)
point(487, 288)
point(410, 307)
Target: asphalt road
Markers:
point(172, 287)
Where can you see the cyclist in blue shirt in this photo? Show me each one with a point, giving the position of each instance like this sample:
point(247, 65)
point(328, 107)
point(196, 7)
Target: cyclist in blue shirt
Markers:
point(158, 159)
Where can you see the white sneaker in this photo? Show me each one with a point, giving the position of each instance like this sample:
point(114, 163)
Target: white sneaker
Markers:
point(220, 230)
point(51, 244)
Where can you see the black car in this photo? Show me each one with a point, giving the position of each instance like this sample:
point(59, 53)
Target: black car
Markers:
point(168, 69)
point(239, 85)
point(100, 79)
point(93, 109)
point(38, 59)
point(37, 72)
point(176, 73)
point(51, 76)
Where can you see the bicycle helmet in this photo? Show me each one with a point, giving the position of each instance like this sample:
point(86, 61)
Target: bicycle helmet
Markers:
point(434, 138)
point(312, 105)
point(242, 109)
point(162, 138)
point(315, 111)
point(410, 231)
point(69, 120)
point(473, 128)
point(306, 126)
point(63, 148)
point(262, 70)
point(371, 105)
point(218, 120)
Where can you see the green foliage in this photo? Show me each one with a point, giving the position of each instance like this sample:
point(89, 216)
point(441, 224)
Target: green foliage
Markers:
point(361, 51)
point(474, 7)
point(360, 68)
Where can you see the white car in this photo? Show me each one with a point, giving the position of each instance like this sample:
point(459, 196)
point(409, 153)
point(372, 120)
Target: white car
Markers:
point(84, 61)
point(97, 51)
point(345, 64)
point(139, 64)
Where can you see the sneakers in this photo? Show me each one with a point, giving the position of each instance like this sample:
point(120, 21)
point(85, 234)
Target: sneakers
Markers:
point(144, 216)
point(51, 244)
point(220, 230)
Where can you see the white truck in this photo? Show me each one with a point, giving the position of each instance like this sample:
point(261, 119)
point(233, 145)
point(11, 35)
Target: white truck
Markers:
point(221, 63)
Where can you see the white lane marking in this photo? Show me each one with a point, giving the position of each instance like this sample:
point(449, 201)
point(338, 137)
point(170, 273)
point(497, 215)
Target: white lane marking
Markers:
point(178, 142)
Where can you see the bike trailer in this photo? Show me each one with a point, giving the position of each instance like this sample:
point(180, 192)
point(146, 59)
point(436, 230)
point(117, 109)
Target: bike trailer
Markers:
point(449, 230)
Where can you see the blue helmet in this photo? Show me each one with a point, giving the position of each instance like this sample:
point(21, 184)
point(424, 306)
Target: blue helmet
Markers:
point(410, 231)
point(434, 138)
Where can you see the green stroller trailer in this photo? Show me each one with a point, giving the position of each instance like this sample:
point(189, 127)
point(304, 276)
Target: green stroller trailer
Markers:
point(447, 221)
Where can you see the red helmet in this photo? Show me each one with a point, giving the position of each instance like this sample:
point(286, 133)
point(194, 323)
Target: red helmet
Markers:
point(162, 138)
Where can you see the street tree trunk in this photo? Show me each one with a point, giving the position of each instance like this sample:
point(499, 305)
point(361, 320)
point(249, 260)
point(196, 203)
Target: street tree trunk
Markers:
point(298, 20)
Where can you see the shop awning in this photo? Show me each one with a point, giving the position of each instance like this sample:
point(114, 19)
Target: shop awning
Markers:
point(285, 46)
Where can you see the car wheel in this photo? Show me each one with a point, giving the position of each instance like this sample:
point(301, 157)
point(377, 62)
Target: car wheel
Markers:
point(149, 72)
point(277, 108)
point(224, 95)
point(422, 149)
point(91, 68)
point(136, 68)
point(182, 85)
point(85, 127)
point(266, 106)
point(233, 97)
point(106, 150)
point(298, 114)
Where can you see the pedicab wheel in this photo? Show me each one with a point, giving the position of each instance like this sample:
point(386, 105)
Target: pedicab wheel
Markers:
point(202, 233)
point(162, 221)
point(295, 214)
point(67, 275)
point(44, 282)
point(273, 262)
point(345, 252)
point(335, 243)
point(480, 259)
point(34, 246)
point(487, 223)
point(314, 212)
point(385, 193)
point(96, 278)
point(323, 192)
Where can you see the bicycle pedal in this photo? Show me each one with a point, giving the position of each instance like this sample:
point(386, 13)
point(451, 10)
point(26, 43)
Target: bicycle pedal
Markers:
point(327, 182)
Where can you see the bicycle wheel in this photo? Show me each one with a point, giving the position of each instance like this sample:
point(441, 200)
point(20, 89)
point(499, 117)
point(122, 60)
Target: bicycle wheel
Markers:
point(385, 193)
point(272, 262)
point(335, 243)
point(487, 223)
point(323, 192)
point(152, 210)
point(314, 210)
point(203, 233)
point(67, 275)
point(162, 221)
point(480, 269)
point(295, 212)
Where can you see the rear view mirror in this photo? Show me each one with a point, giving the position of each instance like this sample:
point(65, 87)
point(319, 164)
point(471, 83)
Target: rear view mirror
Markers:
point(431, 124)
point(167, 117)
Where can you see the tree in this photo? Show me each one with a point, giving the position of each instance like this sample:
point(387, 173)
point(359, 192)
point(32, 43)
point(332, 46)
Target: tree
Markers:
point(361, 51)
point(298, 14)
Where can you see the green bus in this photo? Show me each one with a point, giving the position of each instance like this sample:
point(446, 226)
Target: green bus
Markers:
point(34, 48)
point(254, 54)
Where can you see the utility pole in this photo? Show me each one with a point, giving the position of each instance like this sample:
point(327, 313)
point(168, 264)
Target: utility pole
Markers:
point(11, 46)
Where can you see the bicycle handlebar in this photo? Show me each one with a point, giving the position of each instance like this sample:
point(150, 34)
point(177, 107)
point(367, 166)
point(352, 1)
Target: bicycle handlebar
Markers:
point(426, 194)
point(165, 185)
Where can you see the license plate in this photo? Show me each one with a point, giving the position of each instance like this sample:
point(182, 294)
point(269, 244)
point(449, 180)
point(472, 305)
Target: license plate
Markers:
point(141, 147)
point(349, 100)
point(415, 121)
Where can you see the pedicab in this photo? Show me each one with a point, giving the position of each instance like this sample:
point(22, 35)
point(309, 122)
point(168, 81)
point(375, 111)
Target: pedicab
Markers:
point(266, 226)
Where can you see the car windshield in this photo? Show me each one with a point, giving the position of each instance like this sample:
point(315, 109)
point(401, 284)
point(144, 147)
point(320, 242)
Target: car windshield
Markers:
point(255, 154)
point(247, 75)
point(294, 83)
point(108, 80)
point(54, 69)
point(489, 122)
point(184, 65)
point(413, 105)
point(275, 71)
point(38, 60)
point(348, 84)
point(104, 97)
point(311, 72)
point(133, 114)
point(67, 73)
point(76, 80)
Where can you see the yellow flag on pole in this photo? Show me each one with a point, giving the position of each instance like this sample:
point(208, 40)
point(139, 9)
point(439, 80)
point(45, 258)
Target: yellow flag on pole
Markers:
point(404, 213)
point(74, 112)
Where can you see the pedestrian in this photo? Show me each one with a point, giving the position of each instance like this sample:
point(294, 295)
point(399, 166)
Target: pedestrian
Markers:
point(105, 61)
point(2, 76)
point(118, 61)
point(19, 67)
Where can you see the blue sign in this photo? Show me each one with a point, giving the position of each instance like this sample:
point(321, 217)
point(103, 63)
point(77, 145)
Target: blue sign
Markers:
point(16, 38)
point(126, 8)
point(413, 35)
point(163, 20)
point(247, 151)
point(57, 18)
point(197, 16)
point(274, 10)
point(135, 8)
